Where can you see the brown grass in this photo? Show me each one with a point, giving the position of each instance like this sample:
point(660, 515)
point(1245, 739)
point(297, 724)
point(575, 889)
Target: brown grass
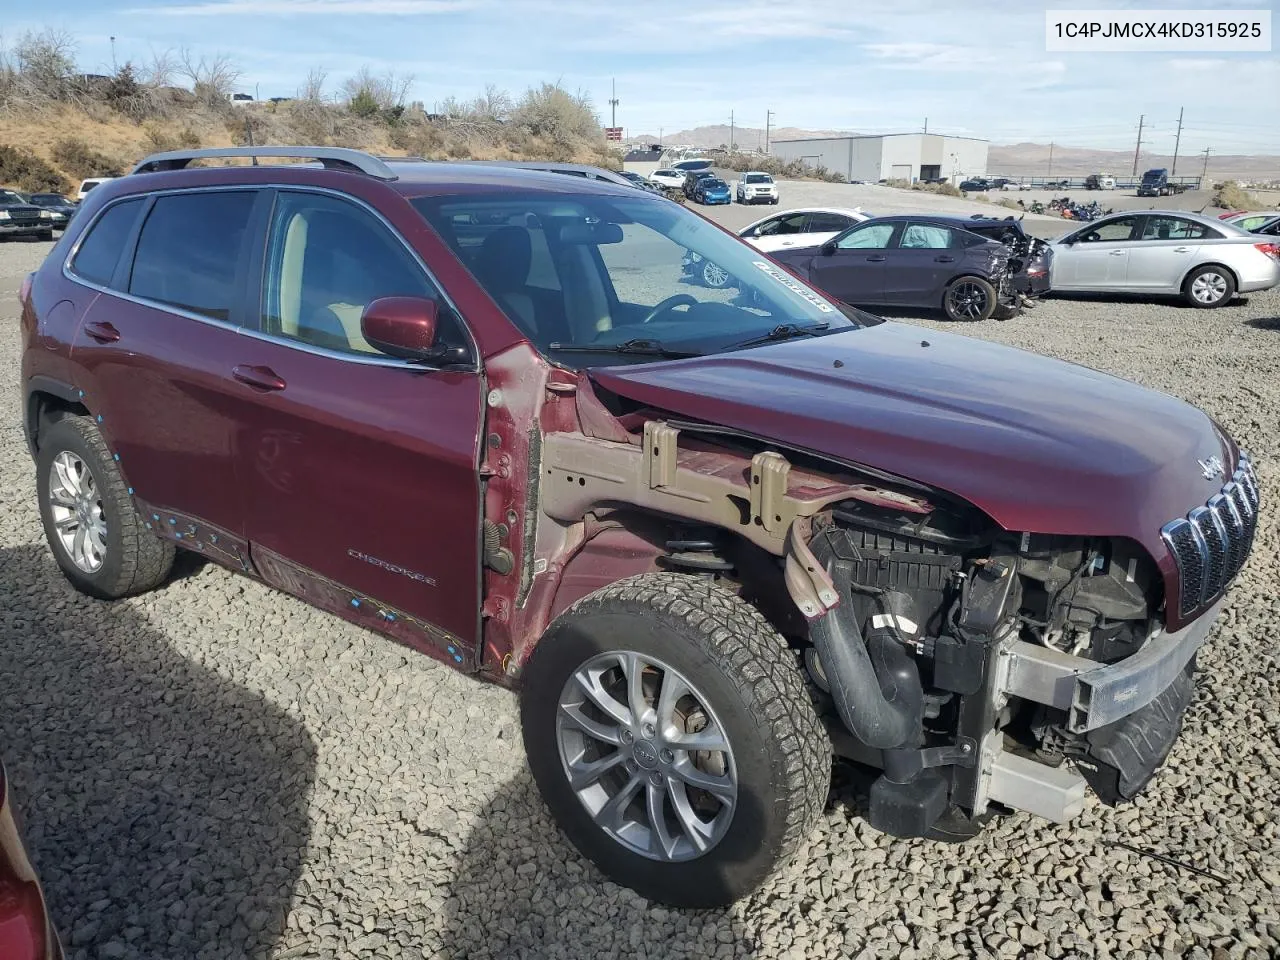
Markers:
point(1230, 196)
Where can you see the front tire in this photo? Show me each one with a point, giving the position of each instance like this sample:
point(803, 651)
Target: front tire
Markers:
point(93, 529)
point(670, 732)
point(1208, 287)
point(969, 299)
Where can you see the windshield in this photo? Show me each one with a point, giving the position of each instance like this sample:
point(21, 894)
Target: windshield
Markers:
point(46, 200)
point(598, 271)
point(8, 196)
point(759, 178)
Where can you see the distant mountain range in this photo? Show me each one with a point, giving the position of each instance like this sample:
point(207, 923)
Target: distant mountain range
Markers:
point(1018, 159)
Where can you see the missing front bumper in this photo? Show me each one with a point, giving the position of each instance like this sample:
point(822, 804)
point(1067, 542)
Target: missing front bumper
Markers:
point(1128, 715)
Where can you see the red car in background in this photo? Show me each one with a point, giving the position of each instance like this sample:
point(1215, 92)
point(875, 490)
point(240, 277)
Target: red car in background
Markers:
point(26, 932)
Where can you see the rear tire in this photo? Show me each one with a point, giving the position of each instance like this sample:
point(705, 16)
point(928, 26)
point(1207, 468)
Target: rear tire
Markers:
point(764, 752)
point(1208, 287)
point(969, 299)
point(82, 493)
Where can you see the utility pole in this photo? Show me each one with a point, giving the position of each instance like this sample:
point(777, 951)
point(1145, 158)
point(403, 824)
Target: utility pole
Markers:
point(659, 136)
point(613, 104)
point(768, 117)
point(114, 68)
point(1204, 173)
point(731, 131)
point(1050, 173)
point(1138, 146)
point(1177, 141)
point(926, 125)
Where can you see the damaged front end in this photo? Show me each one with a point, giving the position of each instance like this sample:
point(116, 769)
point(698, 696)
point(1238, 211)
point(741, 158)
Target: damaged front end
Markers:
point(978, 667)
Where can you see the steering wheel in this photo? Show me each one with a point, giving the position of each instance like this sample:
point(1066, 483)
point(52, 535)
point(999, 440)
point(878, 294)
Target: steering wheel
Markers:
point(669, 304)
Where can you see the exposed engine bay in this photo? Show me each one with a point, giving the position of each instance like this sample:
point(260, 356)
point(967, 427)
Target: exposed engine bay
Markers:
point(909, 656)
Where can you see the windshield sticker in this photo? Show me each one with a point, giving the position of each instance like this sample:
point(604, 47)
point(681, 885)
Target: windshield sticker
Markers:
point(795, 286)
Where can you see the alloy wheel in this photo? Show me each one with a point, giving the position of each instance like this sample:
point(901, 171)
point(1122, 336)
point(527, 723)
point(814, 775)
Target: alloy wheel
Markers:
point(78, 516)
point(968, 300)
point(714, 275)
point(1209, 287)
point(646, 756)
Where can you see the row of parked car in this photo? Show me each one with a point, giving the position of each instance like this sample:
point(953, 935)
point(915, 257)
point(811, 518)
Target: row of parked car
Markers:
point(700, 183)
point(39, 214)
point(982, 267)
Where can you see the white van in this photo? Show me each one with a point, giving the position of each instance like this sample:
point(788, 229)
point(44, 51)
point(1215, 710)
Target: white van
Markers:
point(89, 184)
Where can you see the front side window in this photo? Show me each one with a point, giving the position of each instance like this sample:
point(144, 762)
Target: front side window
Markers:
point(632, 277)
point(923, 236)
point(326, 260)
point(1122, 228)
point(875, 236)
point(188, 251)
point(781, 226)
point(100, 249)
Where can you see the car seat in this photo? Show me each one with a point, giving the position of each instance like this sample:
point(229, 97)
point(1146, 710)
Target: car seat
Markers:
point(503, 267)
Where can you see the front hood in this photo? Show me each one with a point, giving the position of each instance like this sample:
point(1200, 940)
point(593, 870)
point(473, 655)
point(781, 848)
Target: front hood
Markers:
point(1040, 445)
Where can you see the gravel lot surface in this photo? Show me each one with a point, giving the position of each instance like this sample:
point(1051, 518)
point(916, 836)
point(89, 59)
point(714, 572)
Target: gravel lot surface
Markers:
point(217, 771)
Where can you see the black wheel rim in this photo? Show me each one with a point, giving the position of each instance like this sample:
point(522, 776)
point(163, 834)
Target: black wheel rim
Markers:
point(968, 301)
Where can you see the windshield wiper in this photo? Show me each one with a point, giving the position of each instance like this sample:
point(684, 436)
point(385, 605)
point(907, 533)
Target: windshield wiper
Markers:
point(637, 345)
point(783, 331)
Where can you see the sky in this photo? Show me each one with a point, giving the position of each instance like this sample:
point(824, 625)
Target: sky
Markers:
point(977, 68)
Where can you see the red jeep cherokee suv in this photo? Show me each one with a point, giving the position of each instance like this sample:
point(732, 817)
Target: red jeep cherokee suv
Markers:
point(713, 535)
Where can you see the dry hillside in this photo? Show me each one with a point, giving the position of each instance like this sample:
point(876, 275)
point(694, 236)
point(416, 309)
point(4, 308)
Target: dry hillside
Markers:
point(58, 126)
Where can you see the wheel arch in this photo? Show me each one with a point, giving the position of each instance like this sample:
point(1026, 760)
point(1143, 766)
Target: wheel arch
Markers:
point(1235, 277)
point(48, 400)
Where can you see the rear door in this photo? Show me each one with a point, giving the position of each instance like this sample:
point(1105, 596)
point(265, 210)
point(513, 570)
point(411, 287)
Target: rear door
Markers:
point(361, 468)
point(854, 271)
point(821, 227)
point(154, 356)
point(1168, 248)
point(1098, 256)
point(920, 264)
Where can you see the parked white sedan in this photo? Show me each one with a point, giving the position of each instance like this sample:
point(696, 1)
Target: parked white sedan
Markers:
point(809, 227)
point(1162, 252)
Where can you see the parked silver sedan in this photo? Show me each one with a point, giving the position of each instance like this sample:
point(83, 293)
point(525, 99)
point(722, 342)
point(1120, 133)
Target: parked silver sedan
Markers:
point(1205, 260)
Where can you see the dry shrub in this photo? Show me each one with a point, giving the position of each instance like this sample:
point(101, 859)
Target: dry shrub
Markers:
point(1230, 196)
point(162, 137)
point(80, 160)
point(24, 170)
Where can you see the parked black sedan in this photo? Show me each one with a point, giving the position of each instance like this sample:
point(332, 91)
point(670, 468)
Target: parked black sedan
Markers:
point(918, 261)
point(59, 206)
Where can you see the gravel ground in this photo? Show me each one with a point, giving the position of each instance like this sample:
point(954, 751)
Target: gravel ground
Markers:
point(217, 771)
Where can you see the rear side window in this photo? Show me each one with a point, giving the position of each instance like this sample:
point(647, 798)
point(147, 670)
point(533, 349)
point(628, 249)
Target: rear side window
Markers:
point(100, 249)
point(923, 236)
point(188, 250)
point(827, 223)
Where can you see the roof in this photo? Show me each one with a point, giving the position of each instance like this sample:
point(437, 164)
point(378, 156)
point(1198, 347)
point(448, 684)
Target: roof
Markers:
point(879, 136)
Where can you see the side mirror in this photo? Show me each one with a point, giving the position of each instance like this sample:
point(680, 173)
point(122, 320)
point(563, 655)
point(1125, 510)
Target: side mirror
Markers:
point(829, 248)
point(402, 327)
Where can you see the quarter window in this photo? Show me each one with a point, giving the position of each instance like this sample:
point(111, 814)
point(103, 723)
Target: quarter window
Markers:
point(326, 260)
point(188, 250)
point(100, 249)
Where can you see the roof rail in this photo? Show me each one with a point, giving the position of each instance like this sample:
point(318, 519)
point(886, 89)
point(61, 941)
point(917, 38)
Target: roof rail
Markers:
point(333, 158)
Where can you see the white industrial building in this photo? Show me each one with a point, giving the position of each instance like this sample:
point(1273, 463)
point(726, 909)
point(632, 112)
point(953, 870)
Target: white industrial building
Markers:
point(906, 156)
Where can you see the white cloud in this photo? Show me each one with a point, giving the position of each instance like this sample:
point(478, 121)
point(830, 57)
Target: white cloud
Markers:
point(244, 8)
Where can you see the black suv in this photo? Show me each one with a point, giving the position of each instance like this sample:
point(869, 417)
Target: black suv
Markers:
point(18, 218)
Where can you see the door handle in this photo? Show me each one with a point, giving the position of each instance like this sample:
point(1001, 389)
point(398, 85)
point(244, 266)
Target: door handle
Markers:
point(101, 331)
point(944, 259)
point(1181, 249)
point(260, 378)
point(1118, 253)
point(875, 259)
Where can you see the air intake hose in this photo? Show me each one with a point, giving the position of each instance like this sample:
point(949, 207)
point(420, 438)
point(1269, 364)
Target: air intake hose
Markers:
point(874, 681)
